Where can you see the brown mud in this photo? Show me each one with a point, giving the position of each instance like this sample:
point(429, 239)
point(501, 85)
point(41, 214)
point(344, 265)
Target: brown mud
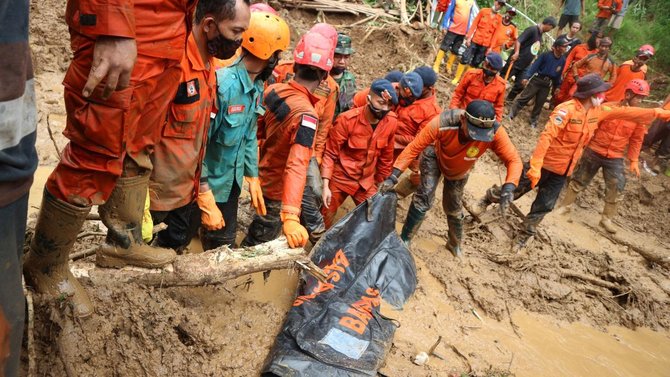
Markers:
point(497, 313)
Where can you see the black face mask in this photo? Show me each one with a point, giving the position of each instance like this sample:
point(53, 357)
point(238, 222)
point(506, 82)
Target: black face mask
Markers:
point(377, 113)
point(337, 71)
point(221, 47)
point(267, 71)
point(406, 101)
point(489, 73)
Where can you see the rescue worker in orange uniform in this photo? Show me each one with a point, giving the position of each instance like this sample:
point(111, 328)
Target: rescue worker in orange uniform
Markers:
point(178, 157)
point(569, 129)
point(484, 83)
point(287, 134)
point(576, 54)
point(478, 38)
point(116, 112)
point(359, 151)
point(630, 70)
point(599, 63)
point(606, 8)
point(328, 94)
point(232, 150)
point(414, 118)
point(606, 151)
point(455, 25)
point(449, 146)
point(505, 34)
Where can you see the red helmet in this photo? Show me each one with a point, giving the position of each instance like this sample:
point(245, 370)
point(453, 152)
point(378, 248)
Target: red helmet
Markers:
point(315, 50)
point(646, 50)
point(262, 7)
point(638, 86)
point(327, 31)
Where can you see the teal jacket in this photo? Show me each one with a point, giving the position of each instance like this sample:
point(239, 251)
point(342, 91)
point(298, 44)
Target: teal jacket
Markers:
point(232, 148)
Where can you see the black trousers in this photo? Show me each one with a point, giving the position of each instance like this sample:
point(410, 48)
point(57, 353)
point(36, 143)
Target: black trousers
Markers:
point(537, 88)
point(658, 132)
point(517, 71)
point(613, 174)
point(182, 225)
point(474, 55)
point(265, 228)
point(211, 239)
point(452, 42)
point(549, 188)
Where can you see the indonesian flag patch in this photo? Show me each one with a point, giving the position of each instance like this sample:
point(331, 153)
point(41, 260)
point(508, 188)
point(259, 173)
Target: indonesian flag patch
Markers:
point(305, 134)
point(309, 121)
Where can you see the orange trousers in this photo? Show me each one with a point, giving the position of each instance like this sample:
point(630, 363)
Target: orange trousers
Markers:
point(339, 196)
point(104, 133)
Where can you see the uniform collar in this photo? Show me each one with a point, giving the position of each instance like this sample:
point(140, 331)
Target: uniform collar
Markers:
point(243, 75)
point(193, 55)
point(312, 98)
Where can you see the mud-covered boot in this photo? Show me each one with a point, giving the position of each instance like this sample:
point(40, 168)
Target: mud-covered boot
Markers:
point(438, 61)
point(405, 187)
point(568, 200)
point(412, 224)
point(455, 235)
point(609, 212)
point(524, 238)
point(122, 214)
point(46, 267)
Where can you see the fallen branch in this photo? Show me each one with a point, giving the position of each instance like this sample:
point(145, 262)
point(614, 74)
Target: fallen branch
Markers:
point(53, 139)
point(591, 279)
point(659, 256)
point(212, 267)
point(511, 322)
point(84, 253)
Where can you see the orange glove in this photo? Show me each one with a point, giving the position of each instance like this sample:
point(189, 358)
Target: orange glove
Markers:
point(533, 175)
point(256, 192)
point(296, 234)
point(635, 168)
point(211, 216)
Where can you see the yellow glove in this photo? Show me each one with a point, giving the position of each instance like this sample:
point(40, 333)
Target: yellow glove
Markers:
point(296, 234)
point(211, 216)
point(147, 221)
point(256, 192)
point(533, 175)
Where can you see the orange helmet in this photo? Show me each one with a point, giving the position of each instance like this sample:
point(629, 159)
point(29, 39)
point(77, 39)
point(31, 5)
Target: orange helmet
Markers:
point(315, 50)
point(262, 7)
point(638, 86)
point(646, 50)
point(267, 33)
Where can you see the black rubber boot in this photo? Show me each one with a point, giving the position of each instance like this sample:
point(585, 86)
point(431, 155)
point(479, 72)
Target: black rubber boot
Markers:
point(455, 234)
point(412, 223)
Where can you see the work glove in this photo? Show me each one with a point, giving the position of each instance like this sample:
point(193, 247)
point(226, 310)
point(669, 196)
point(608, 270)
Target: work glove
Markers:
point(256, 192)
point(211, 216)
point(390, 182)
point(533, 175)
point(635, 168)
point(296, 234)
point(506, 196)
point(147, 221)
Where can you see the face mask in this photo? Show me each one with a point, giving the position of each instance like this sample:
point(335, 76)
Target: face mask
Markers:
point(598, 99)
point(267, 71)
point(406, 101)
point(336, 71)
point(488, 72)
point(221, 47)
point(377, 113)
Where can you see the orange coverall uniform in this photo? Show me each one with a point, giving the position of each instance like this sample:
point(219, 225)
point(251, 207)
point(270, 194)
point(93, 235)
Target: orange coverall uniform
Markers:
point(623, 76)
point(102, 132)
point(442, 5)
point(576, 54)
point(472, 87)
point(178, 156)
point(357, 158)
point(607, 13)
point(327, 92)
point(594, 64)
point(504, 36)
point(612, 137)
point(483, 27)
point(411, 120)
point(286, 135)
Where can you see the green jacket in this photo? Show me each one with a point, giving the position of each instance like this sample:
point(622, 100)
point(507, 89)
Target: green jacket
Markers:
point(232, 148)
point(347, 84)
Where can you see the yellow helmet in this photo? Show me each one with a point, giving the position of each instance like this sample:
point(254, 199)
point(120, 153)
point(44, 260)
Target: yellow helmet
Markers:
point(267, 33)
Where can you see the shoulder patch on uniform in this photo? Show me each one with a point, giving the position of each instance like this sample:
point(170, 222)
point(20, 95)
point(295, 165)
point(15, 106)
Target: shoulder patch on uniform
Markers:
point(277, 105)
point(322, 90)
point(188, 92)
point(558, 119)
point(306, 130)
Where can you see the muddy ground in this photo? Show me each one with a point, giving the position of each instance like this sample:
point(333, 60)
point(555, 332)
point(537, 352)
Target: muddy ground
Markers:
point(498, 313)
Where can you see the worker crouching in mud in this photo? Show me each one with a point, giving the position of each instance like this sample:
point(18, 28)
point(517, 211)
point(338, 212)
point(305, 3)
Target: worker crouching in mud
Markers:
point(449, 146)
point(359, 151)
